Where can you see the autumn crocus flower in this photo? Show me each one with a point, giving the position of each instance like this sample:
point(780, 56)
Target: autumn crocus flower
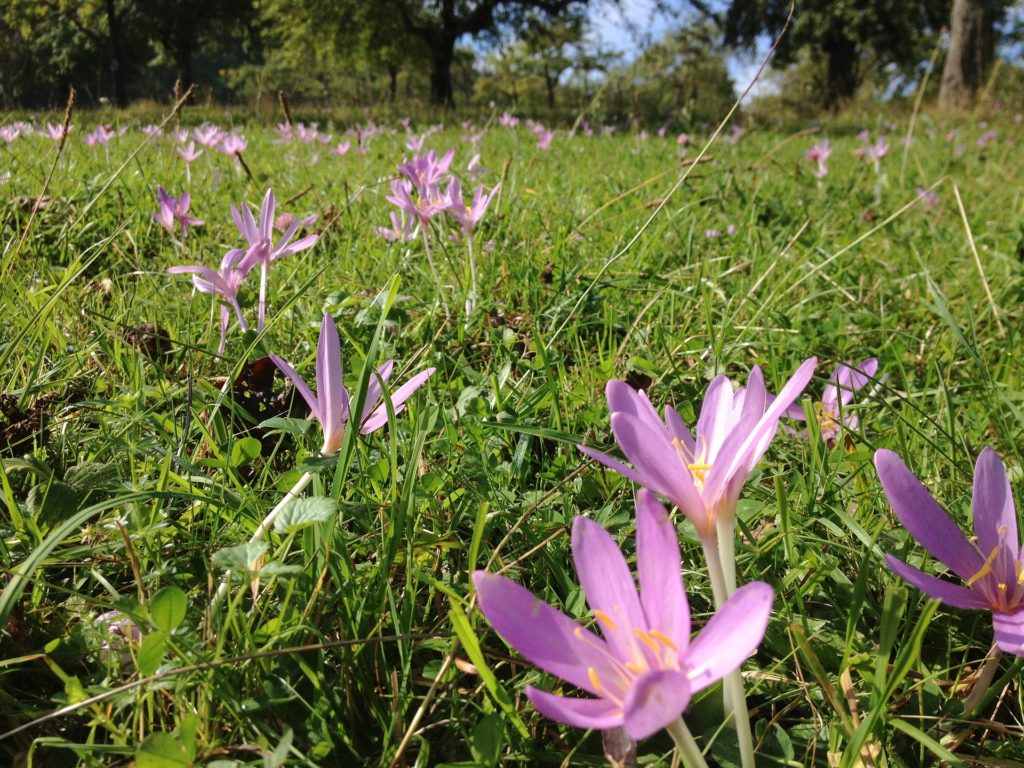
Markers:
point(701, 473)
point(927, 197)
point(262, 250)
point(819, 154)
point(232, 144)
point(102, 136)
point(468, 218)
point(330, 403)
point(224, 283)
point(57, 132)
point(842, 384)
point(207, 135)
point(189, 153)
point(174, 211)
point(991, 565)
point(427, 170)
point(643, 669)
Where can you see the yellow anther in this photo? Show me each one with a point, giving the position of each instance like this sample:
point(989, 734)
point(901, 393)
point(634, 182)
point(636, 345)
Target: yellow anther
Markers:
point(606, 621)
point(635, 668)
point(594, 679)
point(646, 639)
point(1002, 587)
point(664, 640)
point(986, 568)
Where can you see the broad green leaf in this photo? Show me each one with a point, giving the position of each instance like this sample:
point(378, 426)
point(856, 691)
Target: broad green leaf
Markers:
point(304, 512)
point(485, 745)
point(241, 558)
point(161, 750)
point(151, 653)
point(244, 451)
point(91, 476)
point(167, 608)
point(286, 425)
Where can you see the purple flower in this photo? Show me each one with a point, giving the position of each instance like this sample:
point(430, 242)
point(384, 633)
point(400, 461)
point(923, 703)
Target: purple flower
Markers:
point(842, 384)
point(175, 211)
point(224, 283)
point(207, 135)
point(928, 198)
point(507, 120)
point(102, 136)
point(180, 135)
point(544, 138)
point(643, 669)
point(189, 153)
point(426, 171)
point(262, 249)
point(420, 203)
point(819, 154)
point(683, 139)
point(415, 143)
point(992, 566)
point(330, 404)
point(701, 473)
point(986, 138)
point(342, 149)
point(232, 144)
point(712, 234)
point(468, 218)
point(57, 132)
point(402, 228)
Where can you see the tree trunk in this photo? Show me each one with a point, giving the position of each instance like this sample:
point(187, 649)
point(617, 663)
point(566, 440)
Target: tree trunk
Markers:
point(550, 82)
point(442, 55)
point(971, 41)
point(841, 78)
point(116, 70)
point(183, 63)
point(392, 81)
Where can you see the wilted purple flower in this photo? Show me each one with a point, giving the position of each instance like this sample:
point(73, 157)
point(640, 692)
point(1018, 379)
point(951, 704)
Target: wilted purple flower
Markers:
point(402, 228)
point(224, 283)
point(330, 404)
point(644, 669)
point(189, 153)
point(207, 135)
point(121, 632)
point(928, 198)
point(285, 220)
point(102, 136)
point(842, 384)
point(468, 218)
point(992, 565)
point(175, 211)
point(700, 473)
point(262, 249)
point(819, 154)
point(232, 144)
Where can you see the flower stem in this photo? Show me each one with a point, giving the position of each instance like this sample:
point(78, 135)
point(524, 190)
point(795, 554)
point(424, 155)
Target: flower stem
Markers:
point(268, 521)
point(471, 300)
point(734, 699)
point(426, 250)
point(686, 747)
point(988, 671)
point(264, 264)
point(726, 525)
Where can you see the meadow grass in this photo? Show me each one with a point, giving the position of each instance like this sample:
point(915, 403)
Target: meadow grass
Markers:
point(357, 641)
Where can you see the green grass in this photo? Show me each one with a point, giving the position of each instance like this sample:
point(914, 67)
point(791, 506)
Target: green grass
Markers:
point(366, 618)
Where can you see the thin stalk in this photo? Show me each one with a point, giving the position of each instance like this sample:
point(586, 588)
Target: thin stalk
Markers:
point(734, 699)
point(988, 671)
point(264, 266)
point(264, 526)
point(726, 525)
point(426, 250)
point(686, 746)
point(471, 299)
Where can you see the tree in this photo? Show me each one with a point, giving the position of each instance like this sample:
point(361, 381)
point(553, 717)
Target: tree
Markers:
point(551, 48)
point(848, 35)
point(439, 24)
point(972, 42)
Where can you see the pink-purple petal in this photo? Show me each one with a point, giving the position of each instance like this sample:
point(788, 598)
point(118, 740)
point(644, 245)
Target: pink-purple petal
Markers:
point(607, 584)
point(656, 700)
point(951, 594)
point(544, 636)
point(1009, 630)
point(329, 383)
point(300, 385)
point(599, 714)
point(731, 635)
point(659, 571)
point(924, 519)
point(994, 515)
point(613, 464)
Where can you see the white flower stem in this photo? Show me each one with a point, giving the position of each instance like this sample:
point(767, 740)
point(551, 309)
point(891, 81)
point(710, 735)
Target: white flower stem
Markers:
point(734, 699)
point(726, 525)
point(686, 746)
point(426, 250)
point(264, 526)
point(471, 301)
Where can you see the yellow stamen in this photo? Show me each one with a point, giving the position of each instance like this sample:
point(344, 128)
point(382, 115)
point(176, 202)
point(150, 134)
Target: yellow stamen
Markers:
point(594, 679)
point(635, 668)
point(606, 621)
point(1002, 587)
point(646, 639)
point(986, 568)
point(664, 640)
point(699, 470)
